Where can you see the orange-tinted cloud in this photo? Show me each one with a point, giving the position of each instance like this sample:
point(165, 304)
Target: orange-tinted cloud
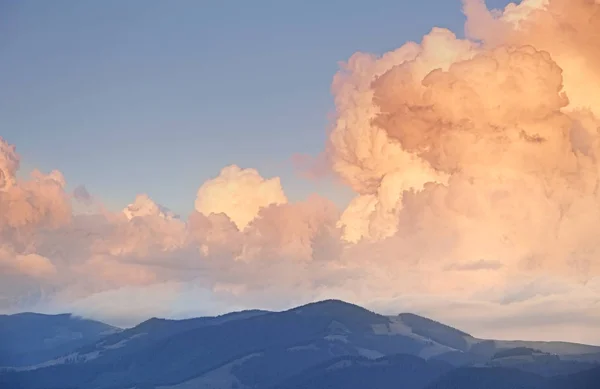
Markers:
point(475, 167)
point(240, 194)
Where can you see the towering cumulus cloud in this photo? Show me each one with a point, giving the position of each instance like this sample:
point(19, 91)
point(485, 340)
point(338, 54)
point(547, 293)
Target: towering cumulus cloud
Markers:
point(476, 168)
point(480, 143)
point(38, 201)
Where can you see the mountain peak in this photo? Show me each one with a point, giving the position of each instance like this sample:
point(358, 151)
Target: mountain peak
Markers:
point(330, 305)
point(341, 311)
point(41, 315)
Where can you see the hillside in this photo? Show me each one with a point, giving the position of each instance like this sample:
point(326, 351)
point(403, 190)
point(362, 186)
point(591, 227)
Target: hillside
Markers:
point(327, 344)
point(32, 338)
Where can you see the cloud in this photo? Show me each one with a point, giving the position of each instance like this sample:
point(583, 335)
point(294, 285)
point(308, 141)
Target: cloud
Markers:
point(27, 206)
point(481, 264)
point(566, 29)
point(31, 265)
point(240, 194)
point(475, 164)
point(40, 201)
point(144, 206)
point(303, 231)
point(478, 145)
point(9, 164)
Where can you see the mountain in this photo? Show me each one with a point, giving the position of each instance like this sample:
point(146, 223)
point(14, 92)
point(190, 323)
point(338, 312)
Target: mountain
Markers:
point(588, 379)
point(32, 338)
point(435, 331)
point(137, 339)
point(327, 344)
point(502, 378)
point(489, 378)
point(544, 358)
point(406, 371)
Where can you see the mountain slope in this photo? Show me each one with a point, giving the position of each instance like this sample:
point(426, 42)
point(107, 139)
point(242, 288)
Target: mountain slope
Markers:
point(464, 349)
point(489, 378)
point(146, 334)
point(283, 344)
point(260, 350)
point(435, 331)
point(502, 378)
point(406, 371)
point(32, 338)
point(588, 379)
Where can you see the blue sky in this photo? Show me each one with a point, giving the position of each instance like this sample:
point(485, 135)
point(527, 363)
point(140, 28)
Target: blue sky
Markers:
point(155, 97)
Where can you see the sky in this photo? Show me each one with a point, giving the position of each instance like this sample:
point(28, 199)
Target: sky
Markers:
point(186, 158)
point(157, 97)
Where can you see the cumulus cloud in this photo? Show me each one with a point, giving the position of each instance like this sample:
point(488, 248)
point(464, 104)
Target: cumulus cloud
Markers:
point(567, 29)
point(9, 164)
point(239, 194)
point(39, 201)
point(28, 205)
point(477, 143)
point(304, 231)
point(31, 265)
point(475, 164)
point(144, 206)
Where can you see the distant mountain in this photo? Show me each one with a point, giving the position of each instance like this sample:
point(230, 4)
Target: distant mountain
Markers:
point(502, 378)
point(32, 338)
point(588, 379)
point(489, 378)
point(327, 344)
point(137, 339)
point(405, 371)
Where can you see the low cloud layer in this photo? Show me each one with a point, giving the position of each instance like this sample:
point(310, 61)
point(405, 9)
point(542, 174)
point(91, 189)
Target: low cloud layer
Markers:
point(475, 163)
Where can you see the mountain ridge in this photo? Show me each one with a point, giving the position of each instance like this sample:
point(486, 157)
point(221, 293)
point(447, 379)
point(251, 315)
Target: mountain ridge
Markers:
point(257, 349)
